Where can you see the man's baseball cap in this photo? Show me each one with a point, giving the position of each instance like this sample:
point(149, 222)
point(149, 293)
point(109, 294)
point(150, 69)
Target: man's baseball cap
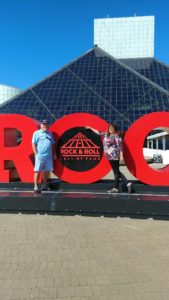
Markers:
point(44, 121)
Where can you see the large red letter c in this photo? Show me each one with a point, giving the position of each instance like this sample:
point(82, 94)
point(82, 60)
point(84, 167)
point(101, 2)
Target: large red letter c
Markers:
point(133, 148)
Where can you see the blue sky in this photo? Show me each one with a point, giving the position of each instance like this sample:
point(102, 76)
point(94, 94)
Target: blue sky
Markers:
point(40, 36)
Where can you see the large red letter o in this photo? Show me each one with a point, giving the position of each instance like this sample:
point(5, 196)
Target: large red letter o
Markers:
point(80, 120)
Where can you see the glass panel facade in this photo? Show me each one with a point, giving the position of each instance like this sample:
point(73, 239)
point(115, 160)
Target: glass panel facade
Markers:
point(152, 69)
point(95, 83)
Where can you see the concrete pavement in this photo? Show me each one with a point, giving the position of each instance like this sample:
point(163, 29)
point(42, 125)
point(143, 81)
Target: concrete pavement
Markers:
point(83, 258)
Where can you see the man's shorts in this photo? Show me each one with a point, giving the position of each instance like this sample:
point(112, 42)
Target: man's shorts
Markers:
point(43, 164)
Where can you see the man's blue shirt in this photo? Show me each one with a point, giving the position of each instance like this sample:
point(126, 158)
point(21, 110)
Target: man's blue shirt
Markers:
point(43, 141)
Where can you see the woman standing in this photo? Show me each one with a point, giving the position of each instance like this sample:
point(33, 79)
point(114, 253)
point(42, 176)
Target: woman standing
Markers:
point(113, 150)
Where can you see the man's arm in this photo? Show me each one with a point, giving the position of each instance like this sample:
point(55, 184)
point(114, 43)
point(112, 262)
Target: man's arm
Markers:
point(34, 148)
point(34, 143)
point(54, 151)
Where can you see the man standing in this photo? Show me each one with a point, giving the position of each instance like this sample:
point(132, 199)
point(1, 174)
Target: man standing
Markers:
point(43, 146)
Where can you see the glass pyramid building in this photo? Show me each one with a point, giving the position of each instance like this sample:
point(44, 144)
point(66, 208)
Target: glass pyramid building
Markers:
point(118, 91)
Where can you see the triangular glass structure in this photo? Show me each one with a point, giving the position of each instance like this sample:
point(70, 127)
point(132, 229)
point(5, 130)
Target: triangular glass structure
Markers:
point(99, 84)
point(151, 68)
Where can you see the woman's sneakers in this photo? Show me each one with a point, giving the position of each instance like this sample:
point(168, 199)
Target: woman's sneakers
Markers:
point(129, 187)
point(114, 190)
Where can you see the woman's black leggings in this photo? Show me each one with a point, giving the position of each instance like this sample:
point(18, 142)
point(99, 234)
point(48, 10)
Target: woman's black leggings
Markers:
point(117, 174)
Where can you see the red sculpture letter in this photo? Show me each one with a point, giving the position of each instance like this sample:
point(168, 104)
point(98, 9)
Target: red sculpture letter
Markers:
point(133, 148)
point(19, 154)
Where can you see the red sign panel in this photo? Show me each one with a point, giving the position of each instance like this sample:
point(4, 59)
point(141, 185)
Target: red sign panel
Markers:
point(80, 156)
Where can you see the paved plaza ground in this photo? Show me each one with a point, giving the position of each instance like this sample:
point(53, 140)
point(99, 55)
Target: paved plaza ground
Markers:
point(83, 258)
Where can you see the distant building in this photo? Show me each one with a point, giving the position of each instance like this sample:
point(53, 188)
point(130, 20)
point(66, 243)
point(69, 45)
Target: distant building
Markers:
point(7, 92)
point(119, 90)
point(116, 90)
point(131, 37)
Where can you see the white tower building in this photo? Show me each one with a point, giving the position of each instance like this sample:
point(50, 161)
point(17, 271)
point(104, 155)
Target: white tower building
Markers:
point(7, 92)
point(130, 37)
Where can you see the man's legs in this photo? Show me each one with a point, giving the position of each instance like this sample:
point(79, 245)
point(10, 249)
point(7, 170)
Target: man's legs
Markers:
point(45, 178)
point(36, 179)
point(48, 167)
point(38, 167)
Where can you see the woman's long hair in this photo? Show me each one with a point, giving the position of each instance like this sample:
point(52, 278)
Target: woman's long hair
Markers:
point(115, 129)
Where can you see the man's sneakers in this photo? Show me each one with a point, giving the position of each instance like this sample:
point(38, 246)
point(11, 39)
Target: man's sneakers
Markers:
point(44, 188)
point(36, 190)
point(129, 187)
